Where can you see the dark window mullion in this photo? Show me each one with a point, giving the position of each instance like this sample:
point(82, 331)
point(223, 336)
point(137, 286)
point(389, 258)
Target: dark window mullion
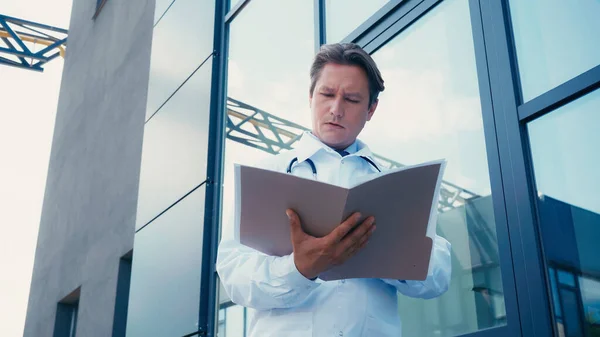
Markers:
point(407, 13)
point(320, 24)
point(561, 95)
point(524, 239)
point(379, 21)
point(233, 12)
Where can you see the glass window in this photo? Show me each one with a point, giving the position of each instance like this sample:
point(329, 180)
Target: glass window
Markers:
point(233, 321)
point(65, 323)
point(566, 278)
point(180, 42)
point(175, 147)
point(590, 296)
point(554, 289)
point(563, 146)
point(233, 3)
point(235, 315)
point(161, 8)
point(221, 323)
point(265, 83)
point(165, 279)
point(344, 16)
point(431, 109)
point(572, 317)
point(122, 296)
point(555, 41)
point(269, 87)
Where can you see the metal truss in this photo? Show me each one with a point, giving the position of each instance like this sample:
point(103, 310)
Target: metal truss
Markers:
point(261, 130)
point(21, 38)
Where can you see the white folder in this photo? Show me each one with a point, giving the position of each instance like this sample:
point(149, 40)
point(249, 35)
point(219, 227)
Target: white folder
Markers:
point(402, 200)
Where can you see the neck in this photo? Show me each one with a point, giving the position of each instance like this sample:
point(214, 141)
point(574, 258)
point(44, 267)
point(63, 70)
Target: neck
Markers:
point(334, 146)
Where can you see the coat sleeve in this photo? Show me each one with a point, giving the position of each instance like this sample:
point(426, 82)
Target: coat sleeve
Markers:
point(256, 280)
point(253, 279)
point(438, 276)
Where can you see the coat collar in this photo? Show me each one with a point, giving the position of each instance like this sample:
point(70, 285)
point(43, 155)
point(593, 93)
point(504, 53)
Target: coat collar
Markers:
point(309, 145)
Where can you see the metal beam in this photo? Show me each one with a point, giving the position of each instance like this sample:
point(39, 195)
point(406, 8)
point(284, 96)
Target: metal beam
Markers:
point(249, 125)
point(33, 24)
point(20, 46)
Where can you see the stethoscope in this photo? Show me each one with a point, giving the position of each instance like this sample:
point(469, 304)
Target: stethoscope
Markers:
point(314, 168)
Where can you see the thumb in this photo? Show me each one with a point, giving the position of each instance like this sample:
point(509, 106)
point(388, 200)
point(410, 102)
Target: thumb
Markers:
point(295, 225)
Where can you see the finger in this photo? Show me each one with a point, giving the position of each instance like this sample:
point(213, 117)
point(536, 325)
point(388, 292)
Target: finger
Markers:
point(296, 230)
point(365, 239)
point(355, 248)
point(348, 253)
point(340, 231)
point(365, 229)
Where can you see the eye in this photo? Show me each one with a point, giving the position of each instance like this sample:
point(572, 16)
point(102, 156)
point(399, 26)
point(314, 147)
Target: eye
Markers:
point(352, 100)
point(326, 94)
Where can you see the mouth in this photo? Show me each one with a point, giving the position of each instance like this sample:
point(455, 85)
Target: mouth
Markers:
point(335, 125)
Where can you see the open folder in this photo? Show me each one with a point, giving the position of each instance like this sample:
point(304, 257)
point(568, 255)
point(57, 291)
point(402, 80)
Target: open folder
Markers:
point(402, 200)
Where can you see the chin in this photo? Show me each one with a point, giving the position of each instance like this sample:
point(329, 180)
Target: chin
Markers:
point(334, 138)
point(333, 141)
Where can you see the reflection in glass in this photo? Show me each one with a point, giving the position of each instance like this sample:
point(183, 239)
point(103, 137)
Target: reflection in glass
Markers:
point(175, 147)
point(555, 41)
point(431, 109)
point(265, 83)
point(165, 279)
point(344, 16)
point(267, 91)
point(233, 3)
point(181, 41)
point(161, 8)
point(233, 321)
point(563, 143)
point(566, 278)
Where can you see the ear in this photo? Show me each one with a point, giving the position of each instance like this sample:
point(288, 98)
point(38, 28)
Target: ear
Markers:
point(371, 111)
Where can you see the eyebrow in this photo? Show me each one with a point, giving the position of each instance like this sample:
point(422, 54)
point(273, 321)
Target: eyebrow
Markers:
point(355, 95)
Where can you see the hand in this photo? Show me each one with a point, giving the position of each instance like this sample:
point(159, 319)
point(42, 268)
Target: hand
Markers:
point(314, 256)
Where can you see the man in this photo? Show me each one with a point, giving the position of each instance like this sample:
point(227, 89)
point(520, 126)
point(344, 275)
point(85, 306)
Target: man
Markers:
point(289, 298)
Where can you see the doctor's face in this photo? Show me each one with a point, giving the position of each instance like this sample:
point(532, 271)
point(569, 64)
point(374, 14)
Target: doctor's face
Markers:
point(340, 104)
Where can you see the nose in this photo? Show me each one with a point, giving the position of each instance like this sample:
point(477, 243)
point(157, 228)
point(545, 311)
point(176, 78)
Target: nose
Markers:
point(337, 107)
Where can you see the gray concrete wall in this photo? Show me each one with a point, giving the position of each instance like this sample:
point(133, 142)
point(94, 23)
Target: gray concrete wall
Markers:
point(88, 216)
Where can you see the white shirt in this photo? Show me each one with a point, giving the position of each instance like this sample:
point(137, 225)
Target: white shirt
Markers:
point(288, 304)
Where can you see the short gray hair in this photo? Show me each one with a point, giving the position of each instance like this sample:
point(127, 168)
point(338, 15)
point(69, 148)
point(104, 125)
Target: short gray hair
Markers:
point(347, 54)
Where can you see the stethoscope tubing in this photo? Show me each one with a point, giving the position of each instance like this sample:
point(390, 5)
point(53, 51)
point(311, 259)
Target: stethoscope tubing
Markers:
point(314, 168)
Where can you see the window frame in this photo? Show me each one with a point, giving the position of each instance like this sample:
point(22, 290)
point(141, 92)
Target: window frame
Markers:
point(503, 95)
point(528, 306)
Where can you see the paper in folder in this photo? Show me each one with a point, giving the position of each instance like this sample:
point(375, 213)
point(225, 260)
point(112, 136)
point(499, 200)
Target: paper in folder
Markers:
point(402, 200)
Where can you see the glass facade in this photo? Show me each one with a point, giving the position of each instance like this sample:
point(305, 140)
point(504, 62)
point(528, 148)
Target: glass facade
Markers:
point(174, 160)
point(431, 109)
point(165, 281)
point(555, 41)
point(181, 41)
point(160, 9)
point(264, 83)
point(268, 87)
point(164, 297)
point(345, 16)
point(443, 99)
point(567, 181)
